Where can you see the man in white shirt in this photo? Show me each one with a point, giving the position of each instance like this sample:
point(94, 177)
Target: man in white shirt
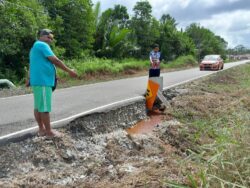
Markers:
point(154, 57)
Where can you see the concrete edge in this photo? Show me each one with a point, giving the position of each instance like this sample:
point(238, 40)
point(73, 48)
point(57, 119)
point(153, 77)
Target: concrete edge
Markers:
point(30, 132)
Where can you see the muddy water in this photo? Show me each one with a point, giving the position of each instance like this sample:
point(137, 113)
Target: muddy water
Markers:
point(147, 125)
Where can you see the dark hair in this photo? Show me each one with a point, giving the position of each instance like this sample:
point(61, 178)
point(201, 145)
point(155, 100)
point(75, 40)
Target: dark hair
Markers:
point(155, 46)
point(43, 32)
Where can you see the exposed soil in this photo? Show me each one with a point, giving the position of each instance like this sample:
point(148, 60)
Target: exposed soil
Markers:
point(107, 160)
point(116, 159)
point(121, 158)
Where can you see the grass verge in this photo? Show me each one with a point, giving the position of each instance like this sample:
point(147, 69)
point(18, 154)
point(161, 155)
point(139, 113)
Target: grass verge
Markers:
point(96, 67)
point(216, 115)
point(93, 70)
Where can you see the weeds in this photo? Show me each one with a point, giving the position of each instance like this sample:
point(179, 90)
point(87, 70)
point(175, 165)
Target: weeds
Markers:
point(95, 66)
point(182, 61)
point(104, 66)
point(222, 129)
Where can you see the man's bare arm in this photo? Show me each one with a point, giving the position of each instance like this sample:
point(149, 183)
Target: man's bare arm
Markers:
point(57, 62)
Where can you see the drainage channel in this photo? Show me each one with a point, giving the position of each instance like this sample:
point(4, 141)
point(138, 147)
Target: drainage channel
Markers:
point(94, 146)
point(130, 115)
point(109, 120)
point(148, 124)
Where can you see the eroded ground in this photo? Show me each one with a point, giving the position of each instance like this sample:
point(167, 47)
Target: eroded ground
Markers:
point(107, 160)
point(119, 159)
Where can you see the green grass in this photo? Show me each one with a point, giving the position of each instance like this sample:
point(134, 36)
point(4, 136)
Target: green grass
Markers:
point(182, 61)
point(104, 66)
point(95, 66)
point(92, 70)
point(219, 112)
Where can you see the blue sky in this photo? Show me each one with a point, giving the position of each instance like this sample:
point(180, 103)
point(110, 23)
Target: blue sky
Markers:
point(229, 19)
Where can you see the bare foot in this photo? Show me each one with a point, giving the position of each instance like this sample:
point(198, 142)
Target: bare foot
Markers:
point(41, 132)
point(53, 133)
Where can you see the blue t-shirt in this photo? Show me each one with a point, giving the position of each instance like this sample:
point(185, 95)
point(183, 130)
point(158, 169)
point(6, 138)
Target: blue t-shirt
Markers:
point(42, 71)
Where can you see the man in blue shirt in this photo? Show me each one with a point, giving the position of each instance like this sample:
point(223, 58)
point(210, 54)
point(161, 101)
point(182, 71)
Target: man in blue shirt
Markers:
point(42, 73)
point(154, 58)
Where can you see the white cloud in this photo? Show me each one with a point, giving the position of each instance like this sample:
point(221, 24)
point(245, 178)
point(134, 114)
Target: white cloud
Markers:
point(232, 1)
point(232, 26)
point(170, 3)
point(227, 18)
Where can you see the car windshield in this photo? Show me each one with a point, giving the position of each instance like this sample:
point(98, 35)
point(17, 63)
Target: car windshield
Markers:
point(211, 57)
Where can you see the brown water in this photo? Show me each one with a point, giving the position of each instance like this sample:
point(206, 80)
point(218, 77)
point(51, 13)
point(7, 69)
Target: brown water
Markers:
point(147, 125)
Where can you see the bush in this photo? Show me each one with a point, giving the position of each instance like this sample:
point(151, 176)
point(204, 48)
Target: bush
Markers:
point(104, 66)
point(182, 61)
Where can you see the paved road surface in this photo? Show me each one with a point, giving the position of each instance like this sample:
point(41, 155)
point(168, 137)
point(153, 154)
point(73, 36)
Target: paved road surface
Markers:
point(16, 113)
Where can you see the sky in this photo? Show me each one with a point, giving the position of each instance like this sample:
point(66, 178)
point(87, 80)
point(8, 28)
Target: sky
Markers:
point(229, 19)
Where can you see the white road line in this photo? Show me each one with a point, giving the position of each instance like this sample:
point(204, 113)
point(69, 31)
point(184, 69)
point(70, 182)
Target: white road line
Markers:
point(94, 109)
point(73, 117)
point(18, 133)
point(239, 63)
point(183, 82)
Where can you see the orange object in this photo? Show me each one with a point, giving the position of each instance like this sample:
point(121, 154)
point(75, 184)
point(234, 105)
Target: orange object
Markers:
point(152, 90)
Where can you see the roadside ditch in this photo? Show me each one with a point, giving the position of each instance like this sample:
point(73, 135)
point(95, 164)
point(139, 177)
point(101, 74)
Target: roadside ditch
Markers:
point(96, 150)
point(200, 140)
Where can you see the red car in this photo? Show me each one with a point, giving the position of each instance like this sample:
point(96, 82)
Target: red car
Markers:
point(212, 62)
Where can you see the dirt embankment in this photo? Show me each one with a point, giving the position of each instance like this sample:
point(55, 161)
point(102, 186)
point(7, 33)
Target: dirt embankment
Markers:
point(92, 154)
point(89, 156)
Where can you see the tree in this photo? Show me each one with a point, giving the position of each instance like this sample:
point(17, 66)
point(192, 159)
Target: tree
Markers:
point(74, 24)
point(120, 15)
point(240, 49)
point(173, 43)
point(206, 42)
point(20, 21)
point(112, 33)
point(97, 12)
point(141, 25)
point(166, 18)
point(117, 46)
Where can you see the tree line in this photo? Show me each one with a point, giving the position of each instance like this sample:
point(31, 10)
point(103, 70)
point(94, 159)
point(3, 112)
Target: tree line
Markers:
point(81, 31)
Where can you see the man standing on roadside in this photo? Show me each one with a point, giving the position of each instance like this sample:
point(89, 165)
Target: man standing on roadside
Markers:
point(42, 73)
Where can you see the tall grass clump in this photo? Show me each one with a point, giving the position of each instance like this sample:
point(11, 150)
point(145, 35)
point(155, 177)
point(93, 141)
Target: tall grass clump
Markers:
point(221, 120)
point(95, 66)
point(181, 62)
point(225, 162)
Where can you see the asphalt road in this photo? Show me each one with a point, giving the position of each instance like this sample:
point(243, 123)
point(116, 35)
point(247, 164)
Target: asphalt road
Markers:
point(16, 113)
